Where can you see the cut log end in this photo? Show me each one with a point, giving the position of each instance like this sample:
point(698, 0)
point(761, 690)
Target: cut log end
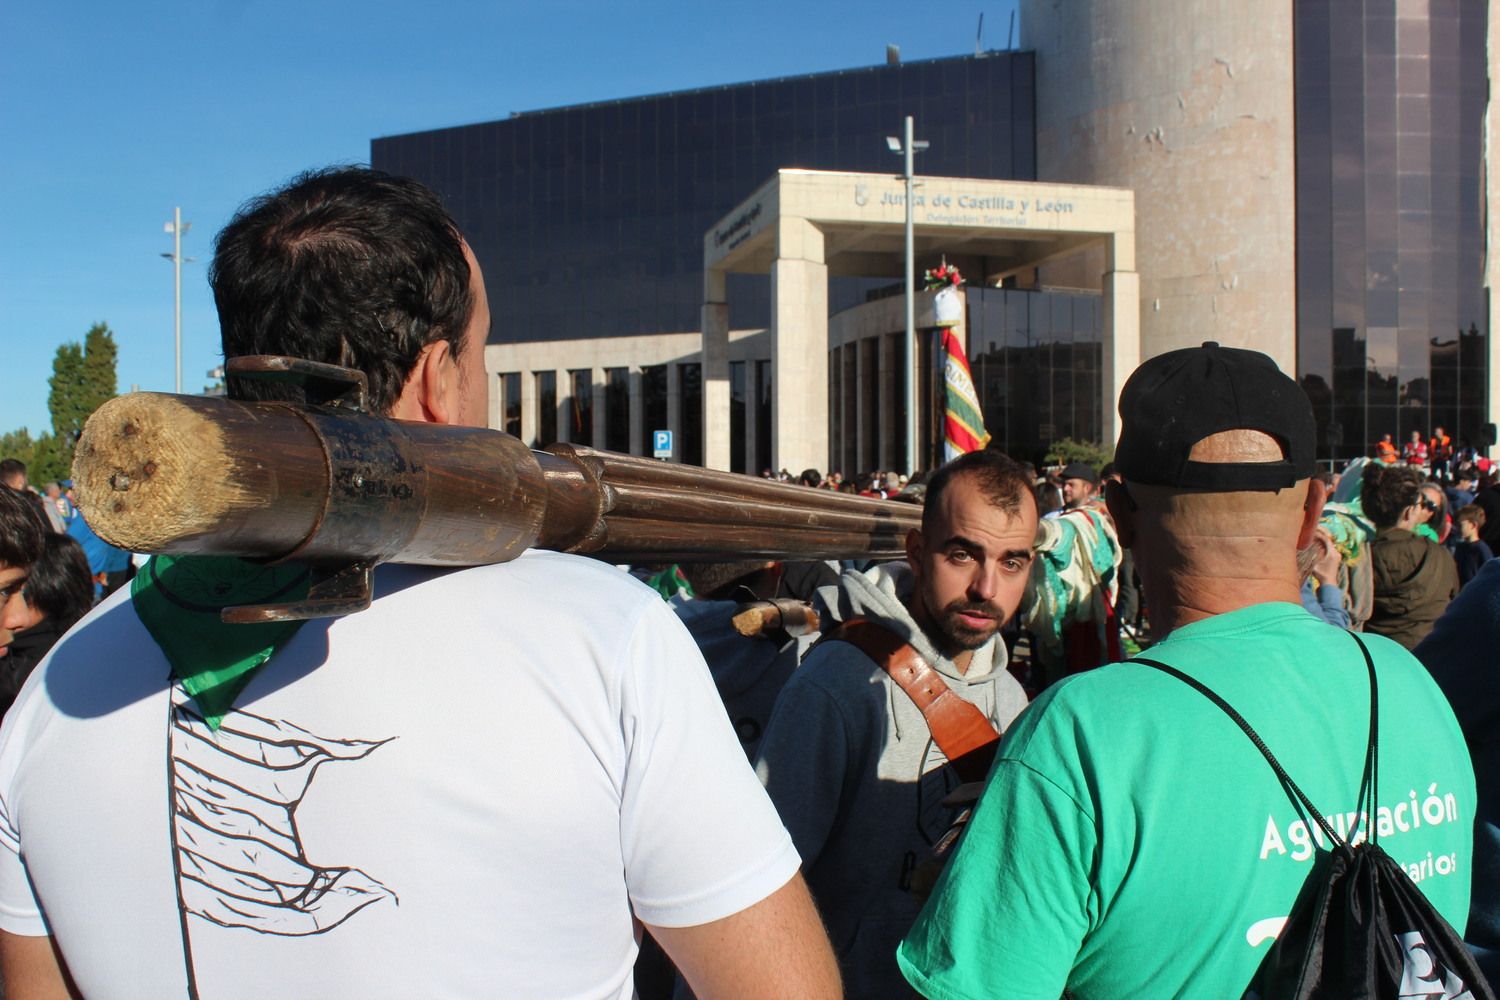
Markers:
point(150, 470)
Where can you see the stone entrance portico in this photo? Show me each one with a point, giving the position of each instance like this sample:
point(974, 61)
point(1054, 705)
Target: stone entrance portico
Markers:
point(802, 226)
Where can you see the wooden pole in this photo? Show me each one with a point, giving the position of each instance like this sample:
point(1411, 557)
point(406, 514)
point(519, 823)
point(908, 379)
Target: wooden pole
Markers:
point(327, 485)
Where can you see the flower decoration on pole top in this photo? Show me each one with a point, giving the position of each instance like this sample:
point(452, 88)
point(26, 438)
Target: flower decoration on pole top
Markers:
point(943, 276)
point(947, 305)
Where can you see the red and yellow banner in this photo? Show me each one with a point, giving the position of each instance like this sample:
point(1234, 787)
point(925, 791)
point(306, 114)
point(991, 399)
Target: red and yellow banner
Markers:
point(963, 423)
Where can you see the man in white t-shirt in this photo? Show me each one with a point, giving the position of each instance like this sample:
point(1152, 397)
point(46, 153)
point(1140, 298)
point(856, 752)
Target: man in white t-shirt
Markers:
point(485, 784)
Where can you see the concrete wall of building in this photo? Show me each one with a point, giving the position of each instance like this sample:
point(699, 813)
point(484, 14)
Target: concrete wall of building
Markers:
point(1189, 103)
point(563, 357)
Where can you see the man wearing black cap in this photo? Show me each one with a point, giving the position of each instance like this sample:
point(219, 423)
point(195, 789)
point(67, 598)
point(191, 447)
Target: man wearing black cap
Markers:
point(1070, 604)
point(1131, 840)
point(1080, 484)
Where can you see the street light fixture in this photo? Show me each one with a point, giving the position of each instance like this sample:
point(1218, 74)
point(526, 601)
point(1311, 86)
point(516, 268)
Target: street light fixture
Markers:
point(177, 227)
point(909, 149)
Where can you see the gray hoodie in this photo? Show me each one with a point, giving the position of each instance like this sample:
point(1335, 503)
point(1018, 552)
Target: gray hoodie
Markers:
point(850, 764)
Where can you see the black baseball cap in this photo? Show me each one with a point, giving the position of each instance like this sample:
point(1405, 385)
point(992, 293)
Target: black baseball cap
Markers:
point(1174, 400)
point(1081, 470)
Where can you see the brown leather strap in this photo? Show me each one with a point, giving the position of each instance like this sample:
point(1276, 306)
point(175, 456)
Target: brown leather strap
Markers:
point(960, 729)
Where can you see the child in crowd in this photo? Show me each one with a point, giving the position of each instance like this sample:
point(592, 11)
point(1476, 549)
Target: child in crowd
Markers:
point(1471, 553)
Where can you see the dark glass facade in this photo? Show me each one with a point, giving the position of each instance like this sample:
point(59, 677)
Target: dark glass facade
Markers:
point(510, 396)
point(1391, 313)
point(653, 402)
point(589, 220)
point(546, 395)
point(1037, 359)
point(617, 409)
point(581, 416)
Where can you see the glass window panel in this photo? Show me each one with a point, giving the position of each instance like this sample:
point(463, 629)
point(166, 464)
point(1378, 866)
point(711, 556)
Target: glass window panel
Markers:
point(1382, 307)
point(1414, 191)
point(1413, 114)
point(1412, 35)
point(1382, 353)
point(1412, 308)
point(1381, 420)
point(1026, 395)
point(1350, 386)
point(763, 415)
point(1445, 386)
point(869, 357)
point(581, 407)
point(1346, 432)
point(690, 384)
point(617, 409)
point(510, 403)
point(653, 403)
point(737, 410)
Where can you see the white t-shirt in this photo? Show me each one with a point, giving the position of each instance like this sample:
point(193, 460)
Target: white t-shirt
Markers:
point(466, 790)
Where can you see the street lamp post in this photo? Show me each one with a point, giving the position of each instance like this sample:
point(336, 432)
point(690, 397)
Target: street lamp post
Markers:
point(909, 148)
point(177, 227)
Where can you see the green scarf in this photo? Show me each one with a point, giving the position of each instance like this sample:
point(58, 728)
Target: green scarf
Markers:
point(178, 599)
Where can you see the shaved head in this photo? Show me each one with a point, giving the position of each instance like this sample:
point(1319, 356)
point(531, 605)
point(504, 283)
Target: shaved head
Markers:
point(1197, 544)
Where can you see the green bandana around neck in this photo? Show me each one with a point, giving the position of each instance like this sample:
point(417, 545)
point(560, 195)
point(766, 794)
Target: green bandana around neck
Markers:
point(178, 599)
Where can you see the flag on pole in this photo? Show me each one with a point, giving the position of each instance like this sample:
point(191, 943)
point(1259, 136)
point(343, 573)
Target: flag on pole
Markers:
point(963, 423)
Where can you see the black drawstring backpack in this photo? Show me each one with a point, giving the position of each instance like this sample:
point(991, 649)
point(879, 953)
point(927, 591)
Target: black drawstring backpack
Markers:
point(1360, 929)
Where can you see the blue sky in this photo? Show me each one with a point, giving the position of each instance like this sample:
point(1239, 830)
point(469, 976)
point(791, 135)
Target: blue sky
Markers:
point(113, 113)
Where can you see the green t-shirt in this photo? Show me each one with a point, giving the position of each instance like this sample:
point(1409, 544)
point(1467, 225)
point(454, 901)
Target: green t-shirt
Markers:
point(1133, 842)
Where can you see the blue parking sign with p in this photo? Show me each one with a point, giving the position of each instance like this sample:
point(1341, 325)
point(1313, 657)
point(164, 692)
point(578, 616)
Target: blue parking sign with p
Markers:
point(661, 444)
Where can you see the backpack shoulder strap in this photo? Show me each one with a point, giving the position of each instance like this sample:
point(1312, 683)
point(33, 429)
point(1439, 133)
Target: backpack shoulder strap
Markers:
point(967, 738)
point(1368, 780)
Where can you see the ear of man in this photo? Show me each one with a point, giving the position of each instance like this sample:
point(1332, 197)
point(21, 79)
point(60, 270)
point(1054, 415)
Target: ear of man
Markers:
point(914, 542)
point(1312, 512)
point(430, 394)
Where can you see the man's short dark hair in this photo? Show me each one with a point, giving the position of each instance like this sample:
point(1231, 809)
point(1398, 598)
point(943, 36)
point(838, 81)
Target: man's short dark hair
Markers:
point(1387, 490)
point(1001, 479)
point(21, 530)
point(346, 266)
point(60, 584)
point(10, 468)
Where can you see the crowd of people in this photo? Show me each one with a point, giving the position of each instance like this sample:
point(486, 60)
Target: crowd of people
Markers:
point(69, 568)
point(539, 778)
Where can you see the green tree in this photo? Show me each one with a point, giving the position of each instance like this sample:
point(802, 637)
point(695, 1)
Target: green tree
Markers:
point(99, 357)
point(83, 378)
point(18, 444)
point(52, 460)
point(65, 398)
point(1088, 452)
point(44, 460)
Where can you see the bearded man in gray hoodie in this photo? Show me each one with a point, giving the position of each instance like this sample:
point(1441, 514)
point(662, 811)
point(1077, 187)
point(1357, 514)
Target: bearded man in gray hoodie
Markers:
point(849, 758)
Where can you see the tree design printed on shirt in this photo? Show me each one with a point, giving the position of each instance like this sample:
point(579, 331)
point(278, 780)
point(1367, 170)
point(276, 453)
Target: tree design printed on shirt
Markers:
point(239, 860)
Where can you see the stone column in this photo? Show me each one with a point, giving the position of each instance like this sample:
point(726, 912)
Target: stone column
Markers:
point(1122, 327)
point(799, 347)
point(564, 380)
point(674, 408)
point(530, 412)
point(715, 372)
point(496, 399)
point(598, 377)
point(637, 412)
